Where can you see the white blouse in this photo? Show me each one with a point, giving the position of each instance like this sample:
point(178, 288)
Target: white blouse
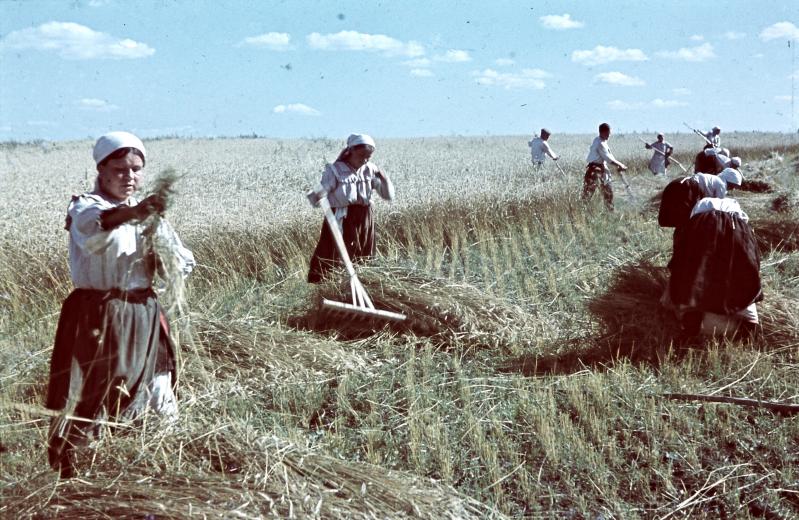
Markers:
point(726, 205)
point(345, 186)
point(117, 258)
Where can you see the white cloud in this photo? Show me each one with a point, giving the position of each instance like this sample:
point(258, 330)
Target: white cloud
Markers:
point(421, 73)
point(560, 22)
point(527, 78)
point(795, 75)
point(5, 129)
point(734, 35)
point(454, 56)
point(275, 41)
point(356, 41)
point(296, 108)
point(75, 41)
point(418, 62)
point(40, 123)
point(681, 91)
point(782, 99)
point(98, 105)
point(600, 54)
point(702, 52)
point(696, 38)
point(667, 103)
point(618, 104)
point(780, 30)
point(619, 78)
point(504, 62)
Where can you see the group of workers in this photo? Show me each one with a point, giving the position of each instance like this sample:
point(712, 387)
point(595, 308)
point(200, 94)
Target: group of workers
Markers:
point(714, 279)
point(113, 357)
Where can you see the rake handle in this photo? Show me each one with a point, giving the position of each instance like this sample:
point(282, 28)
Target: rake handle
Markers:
point(320, 195)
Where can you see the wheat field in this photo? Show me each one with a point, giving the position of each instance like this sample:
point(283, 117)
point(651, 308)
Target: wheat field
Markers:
point(529, 381)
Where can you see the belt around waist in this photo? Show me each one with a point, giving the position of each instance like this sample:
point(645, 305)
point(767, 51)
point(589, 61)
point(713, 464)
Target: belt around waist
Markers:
point(116, 293)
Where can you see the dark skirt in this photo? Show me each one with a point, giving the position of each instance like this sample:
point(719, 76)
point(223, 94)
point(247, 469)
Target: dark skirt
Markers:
point(716, 264)
point(108, 347)
point(359, 237)
point(706, 163)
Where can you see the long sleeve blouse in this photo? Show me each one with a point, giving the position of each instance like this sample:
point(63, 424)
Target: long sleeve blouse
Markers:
point(345, 186)
point(117, 258)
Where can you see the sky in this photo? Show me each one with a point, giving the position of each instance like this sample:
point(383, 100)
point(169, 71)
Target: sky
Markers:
point(75, 69)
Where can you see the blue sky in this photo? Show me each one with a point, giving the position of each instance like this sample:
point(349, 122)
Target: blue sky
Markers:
point(73, 69)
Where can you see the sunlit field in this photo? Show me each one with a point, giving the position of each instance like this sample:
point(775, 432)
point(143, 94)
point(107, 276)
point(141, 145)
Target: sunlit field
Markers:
point(529, 380)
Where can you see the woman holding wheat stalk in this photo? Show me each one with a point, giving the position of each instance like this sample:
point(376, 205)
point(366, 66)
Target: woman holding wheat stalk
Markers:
point(112, 358)
point(349, 183)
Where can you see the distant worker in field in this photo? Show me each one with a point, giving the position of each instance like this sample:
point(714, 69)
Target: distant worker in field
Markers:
point(659, 162)
point(597, 173)
point(350, 182)
point(713, 138)
point(113, 358)
point(539, 148)
point(680, 195)
point(715, 160)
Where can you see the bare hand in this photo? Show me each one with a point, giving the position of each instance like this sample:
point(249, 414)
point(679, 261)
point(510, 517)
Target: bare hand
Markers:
point(151, 205)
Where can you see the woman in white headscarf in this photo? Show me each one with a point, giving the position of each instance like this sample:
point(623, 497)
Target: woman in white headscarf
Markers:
point(350, 182)
point(715, 270)
point(112, 357)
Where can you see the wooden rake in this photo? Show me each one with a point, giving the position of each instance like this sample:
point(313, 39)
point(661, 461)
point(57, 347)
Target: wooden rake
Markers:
point(361, 307)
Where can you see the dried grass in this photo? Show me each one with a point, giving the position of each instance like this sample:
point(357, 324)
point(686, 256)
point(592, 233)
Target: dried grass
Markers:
point(453, 314)
point(213, 475)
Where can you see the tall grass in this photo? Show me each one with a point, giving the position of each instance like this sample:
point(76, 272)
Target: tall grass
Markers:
point(527, 382)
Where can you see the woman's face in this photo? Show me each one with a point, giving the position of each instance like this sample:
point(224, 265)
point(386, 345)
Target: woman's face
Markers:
point(360, 155)
point(119, 178)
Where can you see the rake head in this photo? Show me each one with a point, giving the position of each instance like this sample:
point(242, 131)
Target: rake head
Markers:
point(347, 311)
point(360, 310)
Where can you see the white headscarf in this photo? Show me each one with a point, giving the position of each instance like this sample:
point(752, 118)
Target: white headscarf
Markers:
point(731, 176)
point(356, 139)
point(113, 141)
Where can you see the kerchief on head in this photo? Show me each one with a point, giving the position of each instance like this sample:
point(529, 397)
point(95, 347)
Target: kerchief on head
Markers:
point(356, 139)
point(113, 141)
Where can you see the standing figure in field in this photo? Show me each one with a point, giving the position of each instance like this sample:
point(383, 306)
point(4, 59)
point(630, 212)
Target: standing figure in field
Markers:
point(713, 138)
point(660, 159)
point(113, 358)
point(715, 270)
point(539, 148)
point(597, 173)
point(350, 182)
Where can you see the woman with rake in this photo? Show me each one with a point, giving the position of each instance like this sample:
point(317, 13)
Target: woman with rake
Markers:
point(350, 181)
point(112, 358)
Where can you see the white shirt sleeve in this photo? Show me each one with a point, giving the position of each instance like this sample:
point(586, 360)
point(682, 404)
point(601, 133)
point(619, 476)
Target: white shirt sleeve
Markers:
point(385, 188)
point(183, 258)
point(329, 181)
point(604, 152)
point(549, 151)
point(87, 233)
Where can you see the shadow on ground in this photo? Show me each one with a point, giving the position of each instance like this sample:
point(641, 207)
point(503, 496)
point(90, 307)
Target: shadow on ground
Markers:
point(779, 233)
point(632, 325)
